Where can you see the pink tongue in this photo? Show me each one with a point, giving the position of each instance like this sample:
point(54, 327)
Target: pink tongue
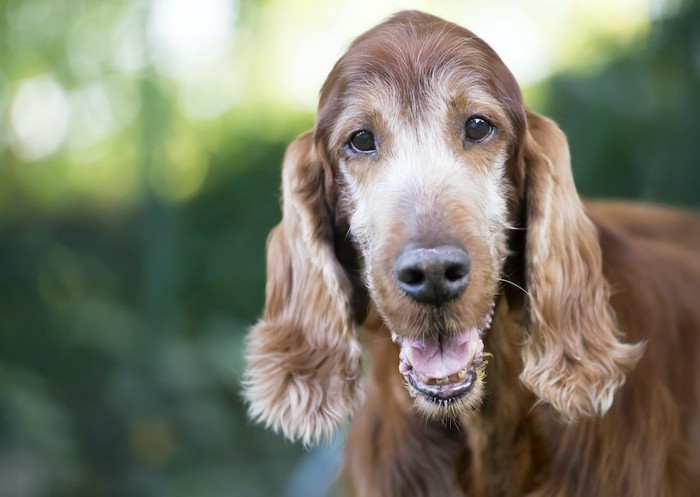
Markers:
point(440, 358)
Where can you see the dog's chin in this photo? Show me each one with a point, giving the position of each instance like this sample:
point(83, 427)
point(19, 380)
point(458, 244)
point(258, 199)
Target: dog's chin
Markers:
point(450, 400)
point(445, 373)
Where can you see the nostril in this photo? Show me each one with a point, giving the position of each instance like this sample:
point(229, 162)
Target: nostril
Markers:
point(411, 276)
point(456, 272)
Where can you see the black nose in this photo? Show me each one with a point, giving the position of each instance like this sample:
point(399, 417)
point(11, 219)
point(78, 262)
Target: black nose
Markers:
point(433, 275)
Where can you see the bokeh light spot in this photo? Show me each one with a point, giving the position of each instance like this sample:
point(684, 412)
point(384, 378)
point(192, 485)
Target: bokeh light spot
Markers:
point(39, 118)
point(182, 173)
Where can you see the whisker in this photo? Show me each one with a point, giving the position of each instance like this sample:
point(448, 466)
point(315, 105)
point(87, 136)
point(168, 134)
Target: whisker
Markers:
point(516, 286)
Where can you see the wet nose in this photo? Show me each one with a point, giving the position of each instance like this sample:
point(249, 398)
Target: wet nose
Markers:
point(433, 275)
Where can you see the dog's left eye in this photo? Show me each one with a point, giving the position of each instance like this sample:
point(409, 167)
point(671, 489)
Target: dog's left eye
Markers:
point(362, 141)
point(478, 129)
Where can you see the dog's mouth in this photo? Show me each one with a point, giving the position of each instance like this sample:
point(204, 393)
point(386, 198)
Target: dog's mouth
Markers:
point(443, 369)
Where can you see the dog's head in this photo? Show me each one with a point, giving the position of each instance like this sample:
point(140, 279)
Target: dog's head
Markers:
point(422, 162)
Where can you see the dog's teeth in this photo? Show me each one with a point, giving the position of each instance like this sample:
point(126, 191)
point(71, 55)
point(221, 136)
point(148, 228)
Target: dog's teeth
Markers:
point(424, 379)
point(440, 381)
point(462, 374)
point(472, 352)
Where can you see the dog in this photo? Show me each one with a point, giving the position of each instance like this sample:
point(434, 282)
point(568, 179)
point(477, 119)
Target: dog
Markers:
point(519, 341)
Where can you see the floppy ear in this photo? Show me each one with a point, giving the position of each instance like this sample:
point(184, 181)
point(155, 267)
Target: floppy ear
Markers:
point(303, 357)
point(573, 358)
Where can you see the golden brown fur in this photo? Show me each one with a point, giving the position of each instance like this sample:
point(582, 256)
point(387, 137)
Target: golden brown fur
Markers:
point(589, 384)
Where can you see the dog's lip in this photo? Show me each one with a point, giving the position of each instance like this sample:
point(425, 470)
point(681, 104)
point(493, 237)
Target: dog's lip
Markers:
point(444, 392)
point(442, 359)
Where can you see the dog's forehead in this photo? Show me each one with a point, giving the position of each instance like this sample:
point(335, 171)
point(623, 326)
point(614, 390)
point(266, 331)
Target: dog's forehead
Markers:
point(412, 66)
point(409, 62)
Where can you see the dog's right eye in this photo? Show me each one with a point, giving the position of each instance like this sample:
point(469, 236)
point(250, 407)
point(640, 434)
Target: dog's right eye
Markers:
point(362, 141)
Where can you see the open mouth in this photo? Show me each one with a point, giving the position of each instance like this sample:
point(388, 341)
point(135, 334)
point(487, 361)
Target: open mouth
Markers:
point(443, 369)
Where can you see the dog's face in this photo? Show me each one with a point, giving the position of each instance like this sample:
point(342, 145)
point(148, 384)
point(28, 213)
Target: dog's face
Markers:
point(421, 143)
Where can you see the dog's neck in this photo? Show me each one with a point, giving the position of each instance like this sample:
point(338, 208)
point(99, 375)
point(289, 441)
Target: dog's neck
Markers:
point(507, 452)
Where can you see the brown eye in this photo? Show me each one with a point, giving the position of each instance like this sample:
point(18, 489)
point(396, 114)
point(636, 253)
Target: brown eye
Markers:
point(477, 129)
point(362, 141)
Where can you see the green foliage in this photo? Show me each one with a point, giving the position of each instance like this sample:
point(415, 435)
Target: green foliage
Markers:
point(632, 126)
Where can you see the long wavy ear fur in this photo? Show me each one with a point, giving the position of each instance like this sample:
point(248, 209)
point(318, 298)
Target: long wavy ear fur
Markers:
point(573, 357)
point(303, 357)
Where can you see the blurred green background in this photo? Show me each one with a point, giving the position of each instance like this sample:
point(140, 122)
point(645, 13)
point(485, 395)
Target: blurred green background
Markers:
point(140, 144)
